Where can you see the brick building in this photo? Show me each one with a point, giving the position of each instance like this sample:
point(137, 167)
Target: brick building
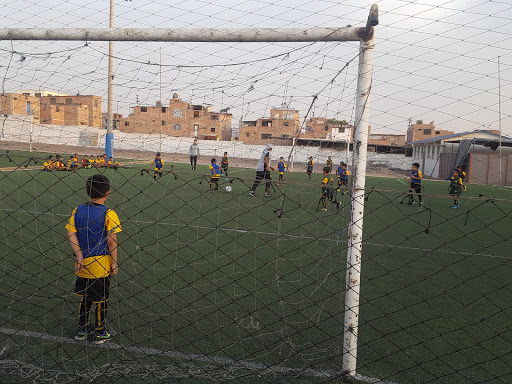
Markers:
point(71, 110)
point(19, 104)
point(420, 131)
point(179, 119)
point(280, 128)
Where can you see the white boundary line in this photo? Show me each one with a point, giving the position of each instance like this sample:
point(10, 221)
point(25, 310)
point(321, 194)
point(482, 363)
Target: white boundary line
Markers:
point(262, 368)
point(391, 246)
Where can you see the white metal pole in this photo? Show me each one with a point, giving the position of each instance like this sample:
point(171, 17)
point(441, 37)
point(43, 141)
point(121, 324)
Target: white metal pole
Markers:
point(499, 108)
point(31, 130)
point(355, 230)
point(186, 34)
point(109, 150)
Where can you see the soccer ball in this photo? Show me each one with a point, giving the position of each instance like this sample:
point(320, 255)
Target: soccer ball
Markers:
point(228, 188)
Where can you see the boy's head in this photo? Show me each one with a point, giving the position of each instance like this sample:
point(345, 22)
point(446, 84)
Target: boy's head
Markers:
point(50, 157)
point(214, 160)
point(71, 157)
point(343, 165)
point(415, 166)
point(329, 157)
point(326, 170)
point(158, 154)
point(459, 169)
point(455, 172)
point(281, 159)
point(195, 141)
point(97, 186)
point(85, 156)
point(310, 158)
point(225, 154)
point(110, 158)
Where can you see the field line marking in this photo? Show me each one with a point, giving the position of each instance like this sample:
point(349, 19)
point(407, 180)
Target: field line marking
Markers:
point(265, 368)
point(274, 234)
point(401, 181)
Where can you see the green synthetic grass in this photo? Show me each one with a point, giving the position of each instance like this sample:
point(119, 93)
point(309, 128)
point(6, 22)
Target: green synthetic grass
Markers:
point(261, 280)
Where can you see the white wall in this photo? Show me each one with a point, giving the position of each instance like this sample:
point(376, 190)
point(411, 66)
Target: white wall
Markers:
point(17, 128)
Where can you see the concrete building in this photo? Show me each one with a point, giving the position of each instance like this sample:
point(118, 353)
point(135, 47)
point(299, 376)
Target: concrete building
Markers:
point(21, 105)
point(180, 119)
point(420, 131)
point(438, 156)
point(71, 110)
point(280, 128)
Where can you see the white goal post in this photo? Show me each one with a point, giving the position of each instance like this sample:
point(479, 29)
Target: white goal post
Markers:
point(362, 34)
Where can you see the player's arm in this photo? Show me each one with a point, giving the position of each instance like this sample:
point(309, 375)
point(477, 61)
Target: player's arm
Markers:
point(420, 176)
point(267, 164)
point(79, 258)
point(112, 249)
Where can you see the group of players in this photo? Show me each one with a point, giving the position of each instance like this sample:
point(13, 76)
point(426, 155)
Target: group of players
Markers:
point(57, 163)
point(455, 188)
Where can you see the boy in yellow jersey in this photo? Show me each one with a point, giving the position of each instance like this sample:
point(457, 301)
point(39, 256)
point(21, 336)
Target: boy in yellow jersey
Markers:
point(92, 161)
point(281, 168)
point(462, 176)
point(309, 171)
point(329, 163)
point(224, 164)
point(327, 188)
point(59, 164)
point(215, 172)
point(72, 165)
point(100, 161)
point(415, 184)
point(159, 166)
point(455, 188)
point(48, 164)
point(92, 232)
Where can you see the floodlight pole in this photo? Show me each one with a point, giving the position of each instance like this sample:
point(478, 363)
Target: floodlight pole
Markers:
point(355, 229)
point(109, 138)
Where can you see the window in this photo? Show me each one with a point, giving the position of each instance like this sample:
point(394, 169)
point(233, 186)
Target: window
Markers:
point(57, 109)
point(164, 109)
point(163, 122)
point(126, 123)
point(214, 117)
point(438, 132)
point(266, 136)
point(69, 101)
point(285, 124)
point(196, 114)
point(196, 128)
point(26, 94)
point(341, 130)
point(177, 113)
point(246, 134)
point(212, 129)
point(177, 127)
point(143, 109)
point(38, 95)
point(427, 131)
point(326, 128)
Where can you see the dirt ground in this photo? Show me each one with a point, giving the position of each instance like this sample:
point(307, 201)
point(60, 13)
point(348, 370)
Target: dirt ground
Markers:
point(138, 157)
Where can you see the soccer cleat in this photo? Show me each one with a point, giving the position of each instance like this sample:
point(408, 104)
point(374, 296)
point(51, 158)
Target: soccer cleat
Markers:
point(84, 333)
point(323, 209)
point(421, 202)
point(338, 205)
point(410, 202)
point(252, 193)
point(267, 194)
point(100, 337)
point(455, 206)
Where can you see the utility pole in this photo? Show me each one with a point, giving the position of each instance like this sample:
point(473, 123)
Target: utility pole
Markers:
point(110, 115)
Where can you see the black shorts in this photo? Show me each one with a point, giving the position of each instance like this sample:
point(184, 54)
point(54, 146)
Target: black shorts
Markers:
point(263, 175)
point(214, 180)
point(416, 187)
point(97, 290)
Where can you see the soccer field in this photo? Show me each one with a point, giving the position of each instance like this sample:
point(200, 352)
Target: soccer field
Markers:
point(225, 287)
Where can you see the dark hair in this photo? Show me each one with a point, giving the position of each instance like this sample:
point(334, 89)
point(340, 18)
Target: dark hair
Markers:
point(417, 165)
point(97, 186)
point(456, 170)
point(158, 154)
point(326, 169)
point(214, 160)
point(51, 156)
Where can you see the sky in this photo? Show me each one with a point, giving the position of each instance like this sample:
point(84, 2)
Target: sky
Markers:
point(434, 60)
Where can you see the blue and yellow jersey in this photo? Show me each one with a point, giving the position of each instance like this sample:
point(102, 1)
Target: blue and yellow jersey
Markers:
point(92, 223)
point(281, 167)
point(342, 174)
point(225, 161)
point(416, 177)
point(215, 171)
point(47, 165)
point(71, 162)
point(329, 163)
point(159, 164)
point(310, 165)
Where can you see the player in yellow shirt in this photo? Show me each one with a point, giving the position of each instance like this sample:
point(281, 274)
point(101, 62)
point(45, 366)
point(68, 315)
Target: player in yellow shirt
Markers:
point(92, 232)
point(48, 164)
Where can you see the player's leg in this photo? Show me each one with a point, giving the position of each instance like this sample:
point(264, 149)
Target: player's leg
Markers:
point(154, 176)
point(192, 162)
point(160, 173)
point(418, 192)
point(268, 177)
point(99, 292)
point(84, 330)
point(259, 177)
point(195, 162)
point(322, 199)
point(411, 197)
